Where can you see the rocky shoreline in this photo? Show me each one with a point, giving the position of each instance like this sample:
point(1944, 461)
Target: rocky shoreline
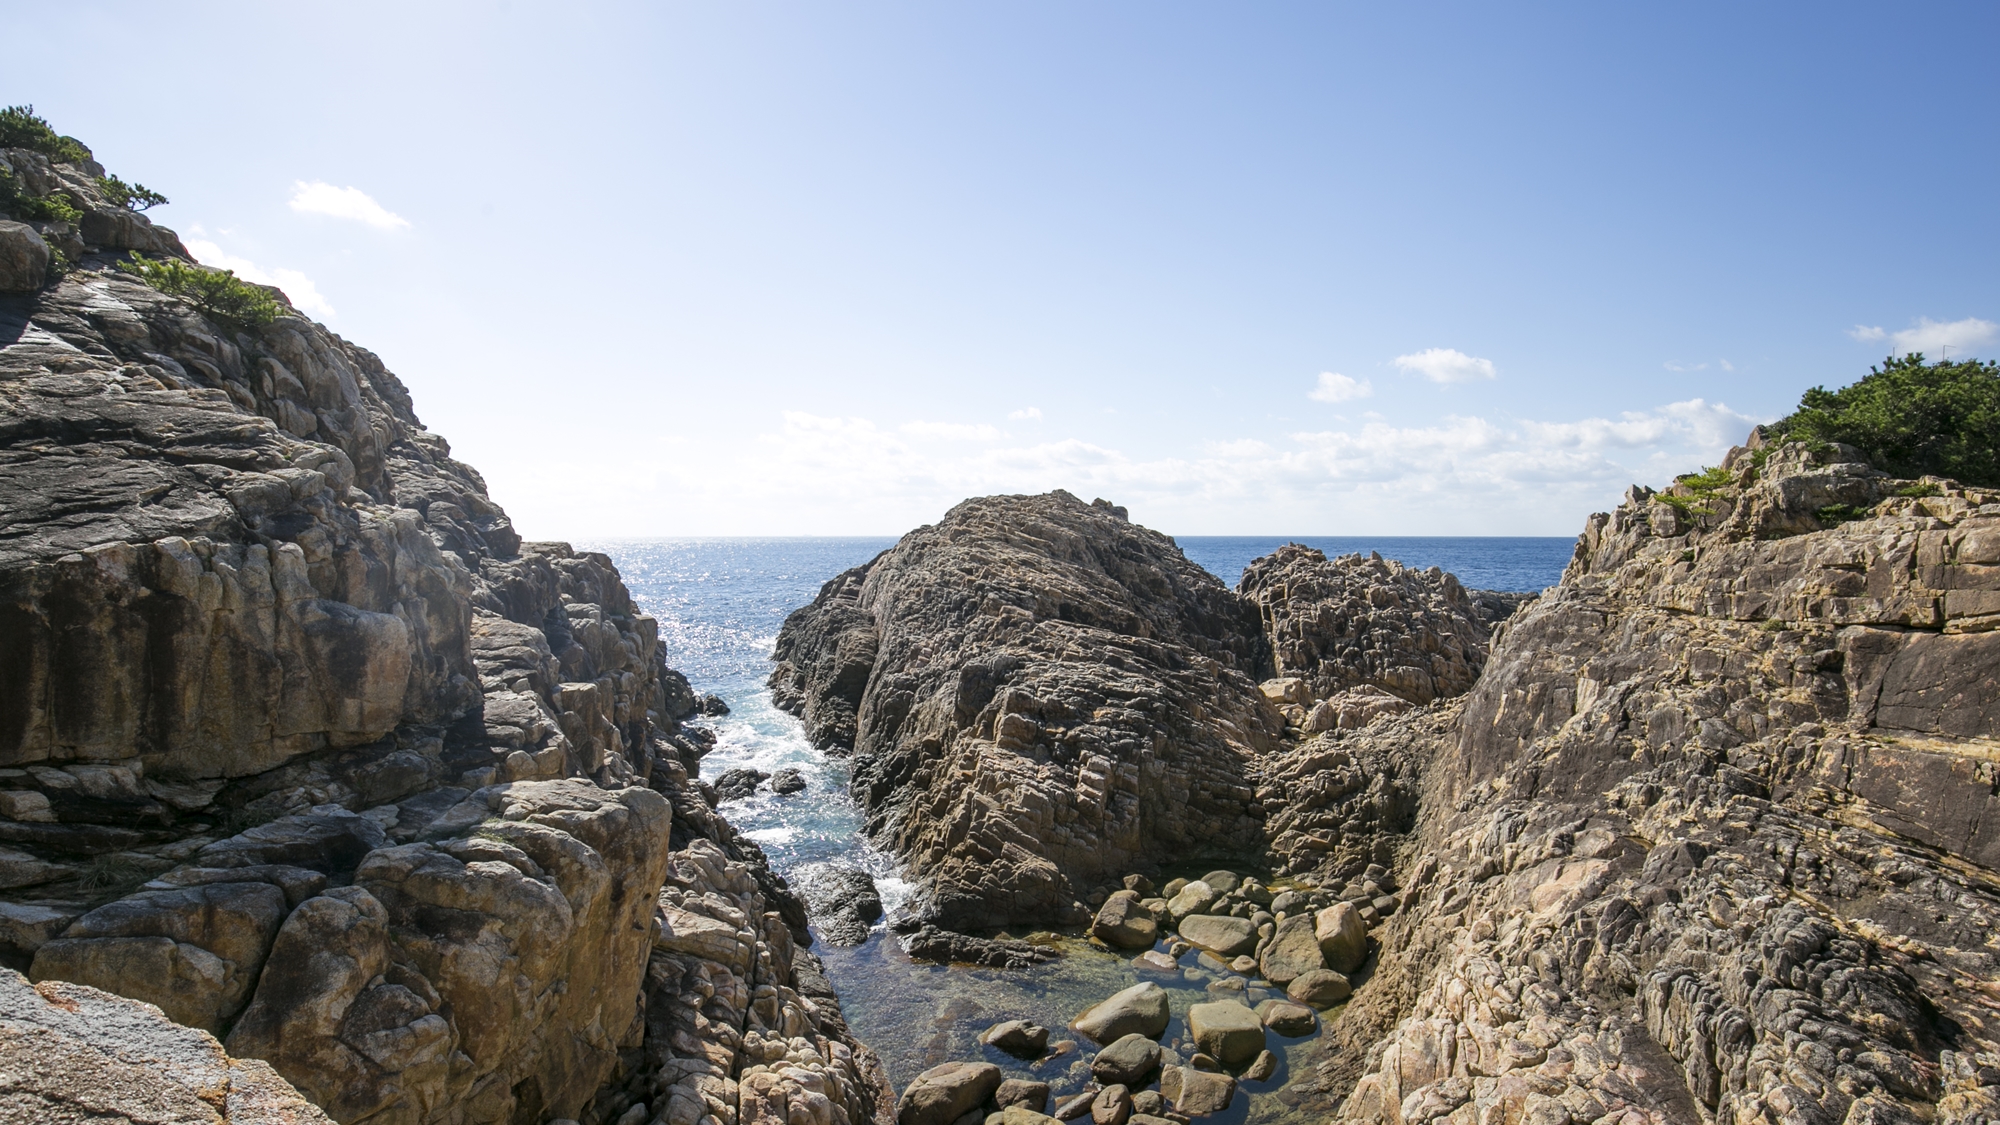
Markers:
point(303, 746)
point(324, 796)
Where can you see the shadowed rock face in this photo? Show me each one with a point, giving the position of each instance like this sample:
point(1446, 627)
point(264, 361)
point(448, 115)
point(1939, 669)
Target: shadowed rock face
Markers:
point(1038, 695)
point(1344, 622)
point(301, 743)
point(1708, 841)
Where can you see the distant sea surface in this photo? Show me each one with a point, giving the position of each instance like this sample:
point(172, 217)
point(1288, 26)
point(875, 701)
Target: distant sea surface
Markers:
point(720, 604)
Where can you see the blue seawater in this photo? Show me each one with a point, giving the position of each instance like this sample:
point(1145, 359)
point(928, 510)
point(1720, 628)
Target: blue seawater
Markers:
point(720, 604)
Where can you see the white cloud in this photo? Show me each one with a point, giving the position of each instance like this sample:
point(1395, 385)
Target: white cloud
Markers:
point(1335, 387)
point(1447, 365)
point(1865, 332)
point(1932, 337)
point(952, 430)
point(319, 198)
point(299, 289)
point(810, 474)
point(1026, 414)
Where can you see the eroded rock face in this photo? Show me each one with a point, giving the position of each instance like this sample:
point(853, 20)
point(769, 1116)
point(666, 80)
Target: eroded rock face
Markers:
point(301, 742)
point(1346, 622)
point(1038, 695)
point(72, 1053)
point(1703, 843)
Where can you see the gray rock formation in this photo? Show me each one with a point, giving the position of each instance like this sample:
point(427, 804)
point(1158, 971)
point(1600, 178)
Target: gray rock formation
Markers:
point(69, 1052)
point(301, 742)
point(1350, 621)
point(1038, 696)
point(1704, 843)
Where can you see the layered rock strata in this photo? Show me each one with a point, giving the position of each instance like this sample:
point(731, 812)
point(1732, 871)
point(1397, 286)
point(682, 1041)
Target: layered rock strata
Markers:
point(1707, 842)
point(1038, 695)
point(301, 743)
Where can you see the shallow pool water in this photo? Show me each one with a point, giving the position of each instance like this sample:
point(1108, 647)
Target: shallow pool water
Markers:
point(720, 604)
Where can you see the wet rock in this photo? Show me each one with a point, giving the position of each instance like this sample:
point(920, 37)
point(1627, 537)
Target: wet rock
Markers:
point(1018, 1037)
point(928, 943)
point(736, 784)
point(1123, 924)
point(1155, 961)
point(1027, 1094)
point(1262, 1068)
point(1342, 935)
point(1224, 882)
point(943, 1094)
point(787, 781)
point(1294, 950)
point(1014, 1115)
point(1220, 934)
point(1140, 1009)
point(1203, 1092)
point(1227, 1030)
point(1287, 1018)
point(711, 705)
point(1192, 898)
point(1320, 988)
point(843, 901)
point(1128, 1061)
point(1071, 1108)
point(1148, 1102)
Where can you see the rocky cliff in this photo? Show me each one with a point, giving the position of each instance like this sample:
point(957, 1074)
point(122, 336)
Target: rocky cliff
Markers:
point(1710, 838)
point(301, 743)
point(1700, 834)
point(1040, 696)
point(1037, 695)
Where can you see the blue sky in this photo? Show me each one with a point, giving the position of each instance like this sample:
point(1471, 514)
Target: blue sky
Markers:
point(680, 269)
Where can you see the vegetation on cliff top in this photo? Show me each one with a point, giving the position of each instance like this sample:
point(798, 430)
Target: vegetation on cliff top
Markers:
point(219, 294)
point(1911, 418)
point(21, 127)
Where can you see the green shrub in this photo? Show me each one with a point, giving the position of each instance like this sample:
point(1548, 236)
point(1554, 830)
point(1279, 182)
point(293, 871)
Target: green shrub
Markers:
point(219, 294)
point(15, 201)
point(1704, 486)
point(1910, 418)
point(21, 128)
point(1920, 490)
point(132, 197)
point(1840, 513)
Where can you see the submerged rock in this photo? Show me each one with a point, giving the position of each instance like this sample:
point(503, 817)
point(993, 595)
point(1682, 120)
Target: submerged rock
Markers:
point(1227, 1030)
point(736, 784)
point(1140, 1009)
point(1018, 1037)
point(842, 901)
point(1129, 1060)
point(928, 943)
point(788, 781)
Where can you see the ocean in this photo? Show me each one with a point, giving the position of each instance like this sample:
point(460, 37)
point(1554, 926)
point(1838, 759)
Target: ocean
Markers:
point(720, 603)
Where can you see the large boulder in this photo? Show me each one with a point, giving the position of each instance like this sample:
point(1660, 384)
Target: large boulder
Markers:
point(1050, 650)
point(1320, 988)
point(1201, 1092)
point(1129, 1061)
point(1342, 935)
point(1293, 951)
point(24, 258)
point(1220, 934)
point(943, 1094)
point(195, 952)
point(1140, 1009)
point(1194, 897)
point(843, 901)
point(71, 1053)
point(1122, 923)
point(1226, 1030)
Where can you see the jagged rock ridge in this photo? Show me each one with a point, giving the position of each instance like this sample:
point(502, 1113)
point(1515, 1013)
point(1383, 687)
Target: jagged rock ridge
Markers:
point(303, 744)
